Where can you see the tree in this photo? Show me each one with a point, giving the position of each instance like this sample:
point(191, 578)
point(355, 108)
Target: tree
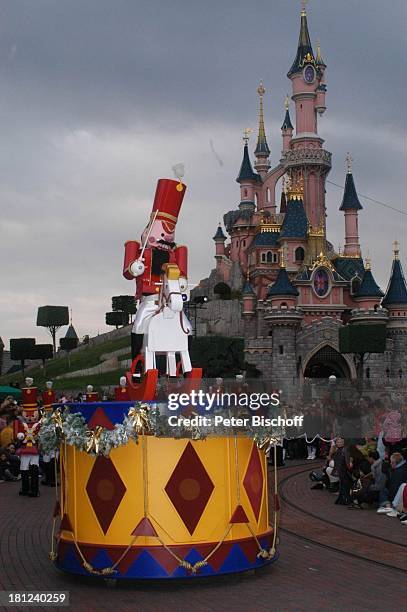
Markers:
point(53, 317)
point(21, 349)
point(68, 345)
point(43, 352)
point(222, 290)
point(126, 304)
point(115, 318)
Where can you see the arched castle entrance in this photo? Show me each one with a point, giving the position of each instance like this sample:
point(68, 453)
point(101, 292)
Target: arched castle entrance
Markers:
point(326, 361)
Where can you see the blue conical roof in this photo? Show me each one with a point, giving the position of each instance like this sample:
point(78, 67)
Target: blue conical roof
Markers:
point(369, 287)
point(219, 234)
point(248, 289)
point(71, 333)
point(304, 50)
point(396, 291)
point(350, 197)
point(287, 125)
point(295, 224)
point(283, 285)
point(246, 171)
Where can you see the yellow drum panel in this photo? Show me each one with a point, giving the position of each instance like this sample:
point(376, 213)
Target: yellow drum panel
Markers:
point(194, 468)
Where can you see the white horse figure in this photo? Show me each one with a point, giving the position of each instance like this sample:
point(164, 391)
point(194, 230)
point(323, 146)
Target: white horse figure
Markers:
point(165, 326)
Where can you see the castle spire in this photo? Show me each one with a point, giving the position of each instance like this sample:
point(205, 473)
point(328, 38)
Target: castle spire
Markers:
point(305, 53)
point(262, 148)
point(396, 294)
point(350, 200)
point(246, 171)
point(287, 125)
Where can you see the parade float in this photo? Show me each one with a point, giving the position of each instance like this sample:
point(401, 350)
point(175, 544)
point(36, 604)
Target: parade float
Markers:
point(137, 498)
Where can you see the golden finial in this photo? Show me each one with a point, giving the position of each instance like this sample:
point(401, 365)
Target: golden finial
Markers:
point(396, 249)
point(260, 90)
point(349, 160)
point(339, 250)
point(282, 258)
point(287, 102)
point(368, 263)
point(248, 275)
point(246, 135)
point(304, 7)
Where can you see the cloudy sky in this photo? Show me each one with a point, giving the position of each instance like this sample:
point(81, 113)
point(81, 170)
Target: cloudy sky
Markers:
point(99, 98)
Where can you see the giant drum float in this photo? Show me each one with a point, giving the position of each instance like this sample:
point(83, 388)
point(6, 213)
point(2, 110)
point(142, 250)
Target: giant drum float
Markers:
point(162, 508)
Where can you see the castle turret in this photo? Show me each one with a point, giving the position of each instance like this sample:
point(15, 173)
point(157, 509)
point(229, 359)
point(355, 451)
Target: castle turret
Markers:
point(287, 127)
point(369, 293)
point(219, 239)
point(249, 298)
point(247, 178)
point(294, 230)
point(262, 151)
point(395, 300)
point(220, 251)
point(351, 206)
point(283, 292)
point(285, 319)
point(305, 155)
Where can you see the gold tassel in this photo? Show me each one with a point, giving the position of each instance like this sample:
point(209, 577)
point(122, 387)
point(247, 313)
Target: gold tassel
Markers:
point(56, 419)
point(93, 439)
point(140, 419)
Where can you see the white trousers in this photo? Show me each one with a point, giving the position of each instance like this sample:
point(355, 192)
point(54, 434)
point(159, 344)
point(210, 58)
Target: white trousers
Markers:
point(27, 460)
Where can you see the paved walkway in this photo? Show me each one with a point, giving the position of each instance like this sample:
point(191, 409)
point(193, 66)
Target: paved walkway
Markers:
point(330, 558)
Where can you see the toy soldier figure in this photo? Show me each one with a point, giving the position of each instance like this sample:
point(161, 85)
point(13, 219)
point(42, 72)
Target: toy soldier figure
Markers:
point(144, 261)
point(26, 428)
point(121, 393)
point(48, 398)
point(91, 395)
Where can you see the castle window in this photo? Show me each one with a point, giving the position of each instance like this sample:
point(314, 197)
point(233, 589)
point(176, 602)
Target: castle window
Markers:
point(355, 284)
point(269, 257)
point(299, 254)
point(267, 195)
point(244, 243)
point(245, 193)
point(263, 258)
point(275, 257)
point(281, 349)
point(283, 304)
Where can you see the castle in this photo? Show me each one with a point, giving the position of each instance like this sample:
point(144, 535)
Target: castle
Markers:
point(295, 290)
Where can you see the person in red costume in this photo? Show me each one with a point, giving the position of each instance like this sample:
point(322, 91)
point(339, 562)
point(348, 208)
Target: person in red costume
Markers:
point(26, 429)
point(143, 261)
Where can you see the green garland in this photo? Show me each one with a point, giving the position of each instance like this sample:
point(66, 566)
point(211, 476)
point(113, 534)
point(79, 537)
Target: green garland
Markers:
point(71, 428)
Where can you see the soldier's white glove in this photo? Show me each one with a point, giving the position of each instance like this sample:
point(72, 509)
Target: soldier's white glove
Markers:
point(137, 268)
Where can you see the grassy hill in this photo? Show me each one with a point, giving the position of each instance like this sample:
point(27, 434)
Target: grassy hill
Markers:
point(80, 359)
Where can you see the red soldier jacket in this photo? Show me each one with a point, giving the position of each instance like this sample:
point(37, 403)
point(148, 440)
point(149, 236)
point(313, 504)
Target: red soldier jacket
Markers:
point(154, 259)
point(29, 445)
point(48, 398)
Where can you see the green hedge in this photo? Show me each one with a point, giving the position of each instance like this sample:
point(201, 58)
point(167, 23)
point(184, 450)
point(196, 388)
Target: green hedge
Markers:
point(370, 338)
point(218, 355)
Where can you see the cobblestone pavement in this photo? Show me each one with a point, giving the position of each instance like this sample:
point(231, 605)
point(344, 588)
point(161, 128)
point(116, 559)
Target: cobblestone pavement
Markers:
point(357, 560)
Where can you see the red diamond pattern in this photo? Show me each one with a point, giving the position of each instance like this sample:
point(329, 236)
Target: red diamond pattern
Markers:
point(253, 481)
point(105, 490)
point(189, 488)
